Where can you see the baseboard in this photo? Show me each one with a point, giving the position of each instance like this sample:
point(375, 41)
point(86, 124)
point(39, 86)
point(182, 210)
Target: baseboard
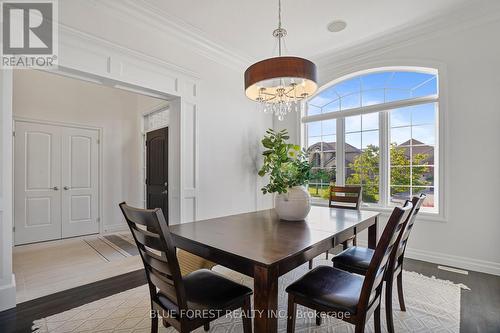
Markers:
point(8, 295)
point(471, 264)
point(115, 228)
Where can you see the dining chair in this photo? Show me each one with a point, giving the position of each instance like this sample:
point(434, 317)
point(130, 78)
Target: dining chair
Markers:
point(182, 302)
point(357, 260)
point(345, 295)
point(349, 198)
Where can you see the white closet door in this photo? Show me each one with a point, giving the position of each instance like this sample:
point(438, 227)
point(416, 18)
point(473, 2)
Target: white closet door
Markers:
point(37, 182)
point(80, 177)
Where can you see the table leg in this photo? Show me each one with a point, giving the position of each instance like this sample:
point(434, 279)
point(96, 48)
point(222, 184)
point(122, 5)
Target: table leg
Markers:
point(265, 299)
point(372, 234)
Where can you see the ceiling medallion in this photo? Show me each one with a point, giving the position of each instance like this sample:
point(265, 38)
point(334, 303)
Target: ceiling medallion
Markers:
point(281, 84)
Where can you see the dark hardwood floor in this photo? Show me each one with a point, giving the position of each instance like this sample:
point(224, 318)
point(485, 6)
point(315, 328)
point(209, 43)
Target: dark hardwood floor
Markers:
point(480, 307)
point(21, 318)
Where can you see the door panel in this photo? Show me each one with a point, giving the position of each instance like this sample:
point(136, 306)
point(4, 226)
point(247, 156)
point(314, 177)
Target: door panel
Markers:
point(37, 182)
point(80, 179)
point(157, 170)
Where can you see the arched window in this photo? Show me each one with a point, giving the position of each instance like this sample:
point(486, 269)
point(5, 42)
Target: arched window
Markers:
point(379, 130)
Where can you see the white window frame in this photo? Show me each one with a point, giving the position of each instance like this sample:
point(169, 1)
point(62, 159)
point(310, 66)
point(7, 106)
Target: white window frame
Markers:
point(383, 110)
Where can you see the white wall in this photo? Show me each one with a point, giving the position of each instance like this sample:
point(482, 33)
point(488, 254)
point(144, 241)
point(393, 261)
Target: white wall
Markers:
point(49, 97)
point(469, 58)
point(230, 126)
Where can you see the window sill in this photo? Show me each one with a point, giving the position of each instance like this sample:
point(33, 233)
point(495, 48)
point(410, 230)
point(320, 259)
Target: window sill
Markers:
point(426, 216)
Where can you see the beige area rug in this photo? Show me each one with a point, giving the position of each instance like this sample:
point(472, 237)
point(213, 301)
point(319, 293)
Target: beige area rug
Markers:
point(433, 305)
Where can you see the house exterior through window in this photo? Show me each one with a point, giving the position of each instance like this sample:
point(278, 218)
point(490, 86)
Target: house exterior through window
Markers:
point(378, 130)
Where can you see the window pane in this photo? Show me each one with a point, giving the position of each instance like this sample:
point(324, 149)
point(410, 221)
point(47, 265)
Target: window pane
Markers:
point(400, 175)
point(313, 110)
point(375, 80)
point(422, 176)
point(409, 80)
point(428, 88)
point(399, 194)
point(369, 121)
point(423, 114)
point(353, 176)
point(424, 134)
point(350, 101)
point(351, 156)
point(320, 181)
point(422, 155)
point(314, 142)
point(353, 124)
point(392, 95)
point(429, 201)
point(314, 129)
point(399, 156)
point(370, 194)
point(348, 86)
point(329, 159)
point(401, 135)
point(329, 126)
point(372, 97)
point(332, 106)
point(370, 138)
point(400, 117)
point(324, 97)
point(315, 159)
point(353, 140)
point(330, 145)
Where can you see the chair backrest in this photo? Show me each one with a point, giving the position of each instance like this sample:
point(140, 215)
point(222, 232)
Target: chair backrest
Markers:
point(350, 197)
point(403, 238)
point(153, 239)
point(372, 285)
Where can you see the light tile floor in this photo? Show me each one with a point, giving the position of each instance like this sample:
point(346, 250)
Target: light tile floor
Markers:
point(45, 268)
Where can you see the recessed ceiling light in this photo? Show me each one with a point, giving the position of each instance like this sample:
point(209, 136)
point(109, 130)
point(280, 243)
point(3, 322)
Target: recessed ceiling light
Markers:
point(336, 26)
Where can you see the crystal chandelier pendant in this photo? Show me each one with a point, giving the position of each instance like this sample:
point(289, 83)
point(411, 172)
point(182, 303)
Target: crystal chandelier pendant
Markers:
point(281, 84)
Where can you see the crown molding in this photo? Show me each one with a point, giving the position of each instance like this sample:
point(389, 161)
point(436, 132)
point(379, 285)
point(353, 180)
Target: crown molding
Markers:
point(68, 35)
point(148, 15)
point(464, 17)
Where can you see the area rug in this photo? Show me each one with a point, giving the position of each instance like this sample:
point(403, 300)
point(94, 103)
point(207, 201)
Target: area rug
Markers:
point(433, 305)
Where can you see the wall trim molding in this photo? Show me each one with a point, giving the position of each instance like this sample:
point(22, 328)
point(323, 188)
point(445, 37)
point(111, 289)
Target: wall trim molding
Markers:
point(458, 18)
point(8, 294)
point(464, 17)
point(195, 39)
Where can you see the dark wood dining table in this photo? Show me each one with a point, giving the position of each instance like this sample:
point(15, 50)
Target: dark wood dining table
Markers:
point(261, 246)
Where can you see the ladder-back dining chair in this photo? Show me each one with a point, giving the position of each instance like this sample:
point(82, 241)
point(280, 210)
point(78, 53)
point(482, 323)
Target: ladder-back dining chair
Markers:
point(181, 301)
point(356, 260)
point(345, 295)
point(346, 197)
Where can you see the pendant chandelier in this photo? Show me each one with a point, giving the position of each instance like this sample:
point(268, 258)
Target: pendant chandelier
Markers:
point(281, 84)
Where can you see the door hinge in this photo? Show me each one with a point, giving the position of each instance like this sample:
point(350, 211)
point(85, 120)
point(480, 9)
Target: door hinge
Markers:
point(98, 219)
point(13, 133)
point(13, 229)
point(98, 141)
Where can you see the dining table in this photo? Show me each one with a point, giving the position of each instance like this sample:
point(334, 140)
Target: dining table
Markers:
point(260, 245)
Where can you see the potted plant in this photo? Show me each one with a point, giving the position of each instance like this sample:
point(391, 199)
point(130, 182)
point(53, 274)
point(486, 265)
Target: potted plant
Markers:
point(288, 170)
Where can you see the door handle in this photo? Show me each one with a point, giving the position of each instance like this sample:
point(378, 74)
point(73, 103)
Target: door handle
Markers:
point(55, 188)
point(66, 187)
point(165, 192)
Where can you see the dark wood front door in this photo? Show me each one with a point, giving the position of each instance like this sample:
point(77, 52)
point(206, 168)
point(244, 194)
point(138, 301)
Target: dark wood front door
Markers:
point(157, 170)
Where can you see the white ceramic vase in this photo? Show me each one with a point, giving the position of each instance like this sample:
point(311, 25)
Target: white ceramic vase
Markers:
point(293, 205)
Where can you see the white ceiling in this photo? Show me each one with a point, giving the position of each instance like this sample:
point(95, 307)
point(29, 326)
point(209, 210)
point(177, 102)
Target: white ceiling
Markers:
point(245, 26)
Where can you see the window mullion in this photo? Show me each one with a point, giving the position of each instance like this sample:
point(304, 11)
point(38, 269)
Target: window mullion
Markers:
point(340, 149)
point(384, 168)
